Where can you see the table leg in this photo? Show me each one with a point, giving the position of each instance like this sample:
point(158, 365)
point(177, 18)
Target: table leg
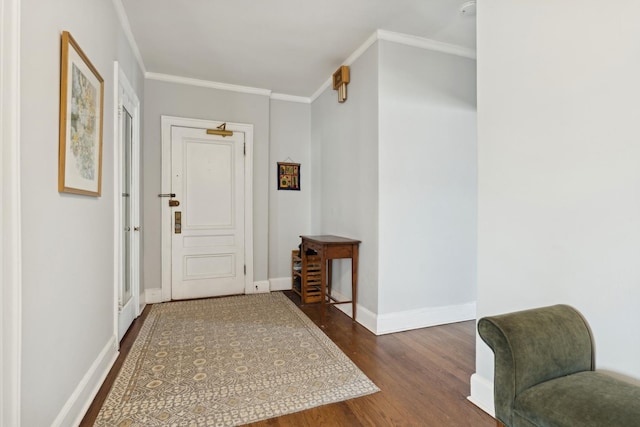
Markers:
point(354, 280)
point(303, 272)
point(329, 276)
point(323, 284)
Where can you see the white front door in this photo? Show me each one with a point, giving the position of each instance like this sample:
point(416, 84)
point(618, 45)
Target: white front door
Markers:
point(207, 240)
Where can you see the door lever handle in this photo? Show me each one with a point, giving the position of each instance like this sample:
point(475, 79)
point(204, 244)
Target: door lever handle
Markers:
point(172, 195)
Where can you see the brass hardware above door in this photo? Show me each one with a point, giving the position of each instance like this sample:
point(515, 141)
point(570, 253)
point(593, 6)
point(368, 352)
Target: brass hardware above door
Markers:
point(220, 130)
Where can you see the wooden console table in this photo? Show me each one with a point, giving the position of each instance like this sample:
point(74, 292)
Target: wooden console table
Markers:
point(329, 248)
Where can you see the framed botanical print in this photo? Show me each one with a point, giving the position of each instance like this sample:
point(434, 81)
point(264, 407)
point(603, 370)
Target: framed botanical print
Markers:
point(81, 116)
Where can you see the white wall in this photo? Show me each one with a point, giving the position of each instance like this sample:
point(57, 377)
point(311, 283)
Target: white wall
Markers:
point(67, 240)
point(427, 246)
point(289, 211)
point(180, 100)
point(344, 158)
point(559, 212)
point(395, 166)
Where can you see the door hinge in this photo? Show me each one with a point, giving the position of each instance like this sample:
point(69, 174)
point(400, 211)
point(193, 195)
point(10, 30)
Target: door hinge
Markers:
point(245, 269)
point(244, 152)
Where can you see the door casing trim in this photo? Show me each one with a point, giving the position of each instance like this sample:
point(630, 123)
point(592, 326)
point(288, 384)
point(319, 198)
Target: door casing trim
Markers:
point(167, 122)
point(10, 214)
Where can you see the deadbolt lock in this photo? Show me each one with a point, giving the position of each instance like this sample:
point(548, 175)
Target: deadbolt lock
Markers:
point(174, 203)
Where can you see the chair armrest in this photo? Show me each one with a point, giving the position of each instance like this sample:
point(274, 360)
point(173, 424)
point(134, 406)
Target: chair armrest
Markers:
point(534, 346)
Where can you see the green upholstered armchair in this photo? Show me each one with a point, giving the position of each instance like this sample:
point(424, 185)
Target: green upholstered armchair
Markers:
point(545, 373)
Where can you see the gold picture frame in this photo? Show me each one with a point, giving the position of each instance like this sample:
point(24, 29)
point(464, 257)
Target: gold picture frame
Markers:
point(81, 122)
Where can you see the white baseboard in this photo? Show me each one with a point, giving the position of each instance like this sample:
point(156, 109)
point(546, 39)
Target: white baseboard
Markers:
point(280, 284)
point(482, 394)
point(407, 320)
point(153, 296)
point(259, 287)
point(78, 403)
point(363, 316)
point(424, 317)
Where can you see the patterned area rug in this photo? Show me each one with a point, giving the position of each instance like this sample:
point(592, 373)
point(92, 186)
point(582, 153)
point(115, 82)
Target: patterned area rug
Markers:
point(226, 362)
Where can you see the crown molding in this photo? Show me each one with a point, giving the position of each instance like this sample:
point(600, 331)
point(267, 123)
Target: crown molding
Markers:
point(126, 27)
point(427, 44)
point(321, 89)
point(405, 39)
point(290, 98)
point(208, 84)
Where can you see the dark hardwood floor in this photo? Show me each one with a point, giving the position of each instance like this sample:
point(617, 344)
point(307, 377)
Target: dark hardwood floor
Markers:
point(423, 376)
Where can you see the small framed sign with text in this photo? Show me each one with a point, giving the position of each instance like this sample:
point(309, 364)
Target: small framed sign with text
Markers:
point(288, 176)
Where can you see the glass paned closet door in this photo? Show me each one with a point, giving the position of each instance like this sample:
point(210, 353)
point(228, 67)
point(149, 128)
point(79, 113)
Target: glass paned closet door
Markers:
point(125, 291)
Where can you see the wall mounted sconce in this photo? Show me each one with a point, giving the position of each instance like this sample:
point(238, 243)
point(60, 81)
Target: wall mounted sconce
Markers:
point(340, 82)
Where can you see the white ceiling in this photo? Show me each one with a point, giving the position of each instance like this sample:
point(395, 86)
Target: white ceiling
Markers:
point(287, 46)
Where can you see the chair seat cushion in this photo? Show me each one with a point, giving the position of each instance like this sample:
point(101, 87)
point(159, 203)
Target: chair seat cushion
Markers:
point(585, 399)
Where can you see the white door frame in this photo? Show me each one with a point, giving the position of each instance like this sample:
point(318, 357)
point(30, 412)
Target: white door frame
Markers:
point(166, 123)
point(125, 95)
point(10, 224)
